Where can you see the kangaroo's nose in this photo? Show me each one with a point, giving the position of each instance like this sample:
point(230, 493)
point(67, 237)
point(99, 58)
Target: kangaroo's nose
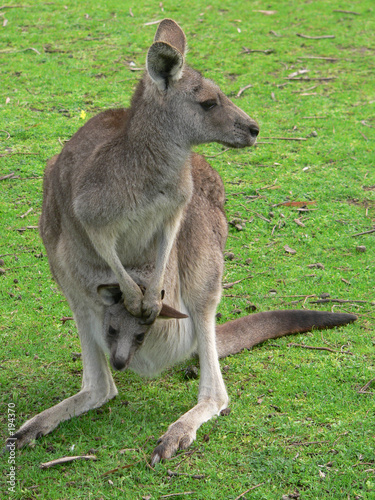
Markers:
point(254, 130)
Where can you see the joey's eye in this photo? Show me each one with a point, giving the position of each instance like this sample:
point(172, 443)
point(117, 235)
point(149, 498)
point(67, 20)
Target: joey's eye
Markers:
point(140, 338)
point(209, 104)
point(112, 331)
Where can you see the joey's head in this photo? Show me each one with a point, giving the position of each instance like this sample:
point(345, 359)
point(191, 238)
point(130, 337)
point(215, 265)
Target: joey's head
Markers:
point(123, 333)
point(192, 107)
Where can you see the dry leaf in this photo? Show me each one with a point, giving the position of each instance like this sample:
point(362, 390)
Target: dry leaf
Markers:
point(267, 12)
point(289, 250)
point(318, 265)
point(299, 72)
point(300, 223)
point(361, 248)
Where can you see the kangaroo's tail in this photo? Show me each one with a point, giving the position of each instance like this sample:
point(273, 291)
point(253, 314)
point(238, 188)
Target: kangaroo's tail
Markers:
point(243, 333)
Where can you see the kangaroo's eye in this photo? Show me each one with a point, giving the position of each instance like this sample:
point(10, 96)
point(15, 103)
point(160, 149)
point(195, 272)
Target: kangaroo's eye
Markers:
point(209, 104)
point(112, 331)
point(140, 338)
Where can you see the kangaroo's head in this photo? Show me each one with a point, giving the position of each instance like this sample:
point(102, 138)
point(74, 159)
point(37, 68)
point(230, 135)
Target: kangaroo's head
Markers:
point(192, 108)
point(123, 333)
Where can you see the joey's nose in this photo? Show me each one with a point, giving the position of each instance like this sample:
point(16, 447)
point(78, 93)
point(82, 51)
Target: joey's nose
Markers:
point(254, 130)
point(119, 363)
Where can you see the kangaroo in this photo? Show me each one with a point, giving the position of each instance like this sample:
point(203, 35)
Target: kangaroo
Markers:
point(134, 227)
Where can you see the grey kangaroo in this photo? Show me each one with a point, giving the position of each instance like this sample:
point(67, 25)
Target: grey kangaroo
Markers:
point(134, 228)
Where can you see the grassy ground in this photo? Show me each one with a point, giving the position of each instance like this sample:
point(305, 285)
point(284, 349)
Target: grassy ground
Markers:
point(300, 426)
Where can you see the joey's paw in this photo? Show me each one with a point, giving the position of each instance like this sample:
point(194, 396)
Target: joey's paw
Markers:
point(178, 437)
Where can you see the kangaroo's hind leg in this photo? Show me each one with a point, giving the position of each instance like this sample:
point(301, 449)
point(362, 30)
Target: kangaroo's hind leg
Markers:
point(97, 385)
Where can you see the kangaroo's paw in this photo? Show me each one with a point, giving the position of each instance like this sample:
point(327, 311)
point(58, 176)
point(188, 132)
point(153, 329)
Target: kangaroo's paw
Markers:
point(25, 435)
point(179, 436)
point(133, 298)
point(151, 307)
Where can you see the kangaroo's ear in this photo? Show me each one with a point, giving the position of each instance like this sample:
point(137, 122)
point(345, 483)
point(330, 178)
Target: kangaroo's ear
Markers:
point(168, 312)
point(165, 58)
point(170, 32)
point(109, 294)
point(164, 64)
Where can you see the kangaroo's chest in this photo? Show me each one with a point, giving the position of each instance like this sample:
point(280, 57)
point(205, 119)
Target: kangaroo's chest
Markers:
point(141, 229)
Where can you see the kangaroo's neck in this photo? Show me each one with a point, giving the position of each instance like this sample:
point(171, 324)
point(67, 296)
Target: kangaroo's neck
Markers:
point(153, 136)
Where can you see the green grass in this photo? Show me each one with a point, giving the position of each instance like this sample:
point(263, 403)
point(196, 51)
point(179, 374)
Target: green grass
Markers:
point(299, 426)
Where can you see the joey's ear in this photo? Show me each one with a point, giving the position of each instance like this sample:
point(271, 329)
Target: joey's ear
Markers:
point(110, 294)
point(171, 33)
point(168, 312)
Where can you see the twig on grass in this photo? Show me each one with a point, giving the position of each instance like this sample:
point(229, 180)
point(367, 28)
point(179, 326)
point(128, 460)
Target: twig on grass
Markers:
point(328, 59)
point(119, 468)
point(241, 91)
point(7, 133)
point(294, 203)
point(319, 348)
point(217, 154)
point(22, 50)
point(64, 319)
point(247, 491)
point(310, 79)
point(23, 229)
point(185, 455)
point(26, 213)
point(13, 154)
point(230, 285)
point(346, 12)
point(260, 216)
point(286, 138)
point(304, 92)
point(8, 176)
point(364, 232)
point(251, 51)
point(307, 443)
point(363, 390)
point(171, 473)
point(338, 438)
point(340, 301)
point(14, 7)
point(362, 121)
point(64, 460)
point(315, 37)
point(153, 22)
point(177, 494)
